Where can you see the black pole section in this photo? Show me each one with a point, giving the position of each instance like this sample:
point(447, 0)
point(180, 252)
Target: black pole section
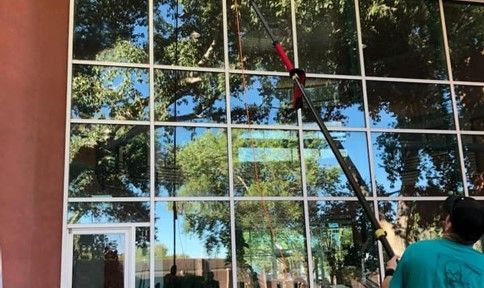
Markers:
point(352, 174)
point(264, 22)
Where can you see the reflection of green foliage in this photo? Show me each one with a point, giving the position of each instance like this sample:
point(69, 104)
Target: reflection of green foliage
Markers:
point(271, 237)
point(433, 156)
point(97, 88)
point(210, 222)
point(416, 220)
point(337, 52)
point(207, 153)
point(107, 212)
point(119, 160)
point(194, 46)
point(263, 169)
point(322, 180)
point(101, 23)
point(341, 238)
point(415, 51)
point(198, 89)
point(464, 29)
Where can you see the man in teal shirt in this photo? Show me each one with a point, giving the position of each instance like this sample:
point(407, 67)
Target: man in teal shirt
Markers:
point(450, 262)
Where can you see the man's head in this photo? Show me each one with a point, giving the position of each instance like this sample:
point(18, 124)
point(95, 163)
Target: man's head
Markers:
point(466, 216)
point(173, 270)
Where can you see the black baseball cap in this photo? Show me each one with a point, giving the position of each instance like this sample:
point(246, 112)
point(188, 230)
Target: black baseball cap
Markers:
point(467, 217)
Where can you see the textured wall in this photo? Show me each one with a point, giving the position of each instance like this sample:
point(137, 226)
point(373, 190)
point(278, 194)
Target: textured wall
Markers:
point(33, 63)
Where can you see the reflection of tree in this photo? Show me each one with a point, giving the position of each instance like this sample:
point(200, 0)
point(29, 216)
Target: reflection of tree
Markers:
point(118, 154)
point(327, 36)
point(426, 164)
point(464, 22)
point(411, 221)
point(101, 23)
point(403, 39)
point(108, 160)
point(254, 237)
point(326, 180)
point(343, 248)
point(188, 44)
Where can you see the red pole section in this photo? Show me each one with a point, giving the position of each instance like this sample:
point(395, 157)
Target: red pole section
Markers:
point(282, 54)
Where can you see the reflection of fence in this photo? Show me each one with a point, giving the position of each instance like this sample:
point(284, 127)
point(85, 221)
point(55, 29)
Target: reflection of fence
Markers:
point(191, 271)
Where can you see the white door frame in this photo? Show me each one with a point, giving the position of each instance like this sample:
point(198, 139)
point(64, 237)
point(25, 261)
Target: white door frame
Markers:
point(129, 238)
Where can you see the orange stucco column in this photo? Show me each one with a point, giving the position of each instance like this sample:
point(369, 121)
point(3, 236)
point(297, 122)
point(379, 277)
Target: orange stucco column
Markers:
point(33, 65)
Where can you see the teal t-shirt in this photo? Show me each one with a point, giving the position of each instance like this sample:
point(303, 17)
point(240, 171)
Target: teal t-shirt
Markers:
point(439, 263)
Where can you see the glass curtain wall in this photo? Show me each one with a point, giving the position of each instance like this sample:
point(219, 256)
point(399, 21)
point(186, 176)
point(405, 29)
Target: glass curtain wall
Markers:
point(180, 125)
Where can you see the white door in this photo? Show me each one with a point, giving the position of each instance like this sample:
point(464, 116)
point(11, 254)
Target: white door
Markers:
point(100, 258)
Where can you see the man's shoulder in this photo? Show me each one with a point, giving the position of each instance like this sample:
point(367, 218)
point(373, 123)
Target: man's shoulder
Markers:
point(425, 244)
point(428, 247)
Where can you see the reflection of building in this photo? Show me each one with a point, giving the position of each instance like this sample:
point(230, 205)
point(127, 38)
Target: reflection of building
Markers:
point(97, 85)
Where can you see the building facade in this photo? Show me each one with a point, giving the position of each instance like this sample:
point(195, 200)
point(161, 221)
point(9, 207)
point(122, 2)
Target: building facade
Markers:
point(184, 164)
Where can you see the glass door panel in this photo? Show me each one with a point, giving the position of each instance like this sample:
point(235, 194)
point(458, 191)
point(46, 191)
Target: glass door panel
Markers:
point(99, 258)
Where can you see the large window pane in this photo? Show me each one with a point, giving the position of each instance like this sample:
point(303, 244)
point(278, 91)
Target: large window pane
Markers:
point(100, 92)
point(339, 103)
point(470, 104)
point(474, 163)
point(416, 164)
point(266, 162)
point(190, 34)
point(327, 41)
point(324, 175)
point(464, 22)
point(111, 30)
point(194, 236)
point(257, 49)
point(268, 99)
point(270, 244)
point(107, 212)
point(410, 106)
point(189, 96)
point(109, 161)
point(403, 39)
point(343, 247)
point(191, 161)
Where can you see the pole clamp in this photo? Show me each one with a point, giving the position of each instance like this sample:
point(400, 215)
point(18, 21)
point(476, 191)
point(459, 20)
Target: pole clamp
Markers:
point(380, 233)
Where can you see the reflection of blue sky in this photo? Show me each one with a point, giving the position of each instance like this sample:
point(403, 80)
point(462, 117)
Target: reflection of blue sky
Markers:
point(186, 103)
point(141, 35)
point(186, 243)
point(168, 13)
point(326, 95)
point(425, 117)
point(138, 81)
point(254, 98)
point(354, 146)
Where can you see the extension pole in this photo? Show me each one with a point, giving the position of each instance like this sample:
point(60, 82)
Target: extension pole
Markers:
point(351, 174)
